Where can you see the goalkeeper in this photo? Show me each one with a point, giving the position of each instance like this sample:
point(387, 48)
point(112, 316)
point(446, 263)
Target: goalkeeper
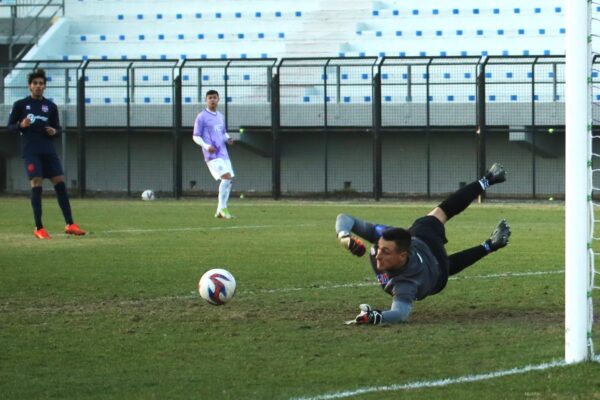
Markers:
point(411, 264)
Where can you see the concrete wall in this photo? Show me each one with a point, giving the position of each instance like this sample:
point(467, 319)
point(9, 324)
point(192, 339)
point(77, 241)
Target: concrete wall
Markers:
point(306, 157)
point(348, 115)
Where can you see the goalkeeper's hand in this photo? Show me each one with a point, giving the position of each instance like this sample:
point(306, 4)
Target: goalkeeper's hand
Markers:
point(354, 245)
point(368, 316)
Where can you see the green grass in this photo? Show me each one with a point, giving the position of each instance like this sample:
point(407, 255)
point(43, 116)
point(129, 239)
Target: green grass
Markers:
point(115, 314)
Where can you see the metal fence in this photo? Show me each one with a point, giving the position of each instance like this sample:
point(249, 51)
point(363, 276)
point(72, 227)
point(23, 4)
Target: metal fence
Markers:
point(372, 127)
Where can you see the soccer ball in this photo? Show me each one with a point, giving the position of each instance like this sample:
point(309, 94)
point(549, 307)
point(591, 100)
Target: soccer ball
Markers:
point(217, 286)
point(148, 195)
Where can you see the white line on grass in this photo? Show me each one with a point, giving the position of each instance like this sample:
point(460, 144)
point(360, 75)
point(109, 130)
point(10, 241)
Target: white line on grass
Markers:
point(373, 283)
point(204, 228)
point(507, 274)
point(436, 383)
point(345, 286)
point(194, 294)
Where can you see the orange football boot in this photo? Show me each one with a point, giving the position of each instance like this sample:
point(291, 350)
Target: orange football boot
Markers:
point(41, 233)
point(73, 229)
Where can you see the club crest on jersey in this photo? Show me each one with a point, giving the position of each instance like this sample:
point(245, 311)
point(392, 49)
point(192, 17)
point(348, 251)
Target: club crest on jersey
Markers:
point(44, 108)
point(28, 107)
point(383, 279)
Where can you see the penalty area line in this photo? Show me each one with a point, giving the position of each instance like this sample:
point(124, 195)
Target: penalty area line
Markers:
point(435, 383)
point(506, 275)
point(251, 293)
point(204, 228)
point(374, 283)
point(194, 294)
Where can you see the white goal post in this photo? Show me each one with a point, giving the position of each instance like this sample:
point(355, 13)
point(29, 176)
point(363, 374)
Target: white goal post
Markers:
point(577, 171)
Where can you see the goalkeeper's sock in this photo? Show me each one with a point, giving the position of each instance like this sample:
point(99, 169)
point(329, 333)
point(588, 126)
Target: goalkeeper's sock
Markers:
point(36, 205)
point(461, 199)
point(463, 259)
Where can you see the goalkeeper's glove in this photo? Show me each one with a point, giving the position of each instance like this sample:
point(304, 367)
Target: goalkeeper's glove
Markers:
point(354, 245)
point(369, 316)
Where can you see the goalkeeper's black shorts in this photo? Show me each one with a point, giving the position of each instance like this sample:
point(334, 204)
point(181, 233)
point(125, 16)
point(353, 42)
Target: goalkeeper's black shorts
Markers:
point(431, 231)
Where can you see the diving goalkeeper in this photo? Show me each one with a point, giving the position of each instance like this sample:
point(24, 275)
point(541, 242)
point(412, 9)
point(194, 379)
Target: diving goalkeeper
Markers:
point(411, 264)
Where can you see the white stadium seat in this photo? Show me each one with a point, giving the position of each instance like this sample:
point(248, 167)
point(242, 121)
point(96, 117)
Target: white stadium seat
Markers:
point(229, 29)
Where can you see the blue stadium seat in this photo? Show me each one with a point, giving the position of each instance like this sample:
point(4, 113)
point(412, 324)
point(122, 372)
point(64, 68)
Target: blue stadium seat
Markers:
point(390, 28)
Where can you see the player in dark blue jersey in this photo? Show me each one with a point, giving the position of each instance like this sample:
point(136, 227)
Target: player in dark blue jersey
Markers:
point(411, 264)
point(35, 119)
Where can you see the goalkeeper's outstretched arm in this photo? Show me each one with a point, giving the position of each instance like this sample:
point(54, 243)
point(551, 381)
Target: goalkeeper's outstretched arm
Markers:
point(399, 312)
point(346, 224)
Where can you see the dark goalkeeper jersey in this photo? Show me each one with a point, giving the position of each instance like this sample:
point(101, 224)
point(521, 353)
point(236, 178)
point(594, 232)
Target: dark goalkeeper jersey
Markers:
point(43, 113)
point(419, 278)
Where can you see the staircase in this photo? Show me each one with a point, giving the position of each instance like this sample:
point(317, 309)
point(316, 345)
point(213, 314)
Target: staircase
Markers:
point(328, 28)
point(23, 24)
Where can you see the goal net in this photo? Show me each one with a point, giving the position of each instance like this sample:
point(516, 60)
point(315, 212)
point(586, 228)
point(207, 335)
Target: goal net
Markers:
point(582, 185)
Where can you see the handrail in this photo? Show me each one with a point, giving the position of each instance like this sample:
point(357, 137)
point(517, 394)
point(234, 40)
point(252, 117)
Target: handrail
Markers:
point(36, 35)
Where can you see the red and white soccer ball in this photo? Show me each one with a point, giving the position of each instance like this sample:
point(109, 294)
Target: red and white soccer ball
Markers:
point(217, 286)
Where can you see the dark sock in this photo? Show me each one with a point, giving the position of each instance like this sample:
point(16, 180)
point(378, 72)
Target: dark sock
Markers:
point(63, 201)
point(463, 259)
point(36, 204)
point(461, 199)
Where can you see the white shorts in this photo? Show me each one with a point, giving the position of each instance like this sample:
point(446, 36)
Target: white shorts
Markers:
point(219, 167)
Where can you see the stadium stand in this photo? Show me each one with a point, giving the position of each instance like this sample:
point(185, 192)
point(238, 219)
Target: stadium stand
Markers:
point(287, 28)
point(235, 29)
point(397, 30)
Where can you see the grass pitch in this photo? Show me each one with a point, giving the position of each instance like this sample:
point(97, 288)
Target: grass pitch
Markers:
point(115, 314)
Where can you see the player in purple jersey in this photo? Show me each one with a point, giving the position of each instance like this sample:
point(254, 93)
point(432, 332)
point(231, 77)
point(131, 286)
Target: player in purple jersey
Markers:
point(35, 118)
point(411, 264)
point(210, 133)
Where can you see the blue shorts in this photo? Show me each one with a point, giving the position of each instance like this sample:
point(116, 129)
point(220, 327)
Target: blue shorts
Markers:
point(43, 165)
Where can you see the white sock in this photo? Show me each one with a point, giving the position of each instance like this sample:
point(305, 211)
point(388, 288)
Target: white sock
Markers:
point(224, 189)
point(228, 191)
